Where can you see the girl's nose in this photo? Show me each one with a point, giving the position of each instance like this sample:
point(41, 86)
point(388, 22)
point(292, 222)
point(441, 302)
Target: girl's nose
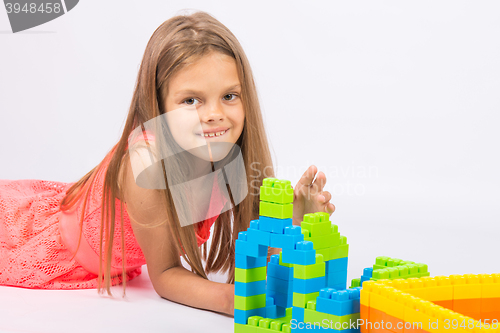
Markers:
point(213, 113)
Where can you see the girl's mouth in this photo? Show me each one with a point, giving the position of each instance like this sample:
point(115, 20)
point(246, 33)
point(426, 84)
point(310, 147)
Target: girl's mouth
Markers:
point(213, 134)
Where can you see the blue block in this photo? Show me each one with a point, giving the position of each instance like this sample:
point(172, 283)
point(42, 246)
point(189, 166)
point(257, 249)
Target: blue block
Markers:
point(250, 288)
point(280, 299)
point(307, 286)
point(246, 262)
point(258, 237)
point(274, 311)
point(276, 270)
point(368, 272)
point(336, 265)
point(241, 316)
point(304, 254)
point(338, 303)
point(336, 278)
point(274, 225)
point(298, 314)
point(292, 235)
point(280, 286)
point(340, 286)
point(250, 249)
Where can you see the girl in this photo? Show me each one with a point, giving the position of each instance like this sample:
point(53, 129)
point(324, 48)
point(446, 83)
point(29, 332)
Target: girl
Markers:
point(124, 213)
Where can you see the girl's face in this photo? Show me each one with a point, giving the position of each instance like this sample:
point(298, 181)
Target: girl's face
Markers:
point(203, 106)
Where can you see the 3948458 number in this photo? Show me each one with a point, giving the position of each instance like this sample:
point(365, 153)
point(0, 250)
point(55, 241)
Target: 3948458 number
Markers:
point(47, 7)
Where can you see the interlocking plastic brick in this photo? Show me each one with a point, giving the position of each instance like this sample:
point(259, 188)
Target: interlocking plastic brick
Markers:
point(306, 286)
point(300, 300)
point(310, 271)
point(292, 235)
point(250, 275)
point(274, 225)
point(241, 316)
point(276, 191)
point(280, 299)
point(324, 241)
point(243, 261)
point(279, 211)
point(339, 303)
point(336, 279)
point(281, 286)
point(249, 302)
point(336, 265)
point(298, 314)
point(249, 288)
point(274, 269)
point(303, 254)
point(259, 237)
point(340, 251)
point(318, 224)
point(274, 311)
point(250, 249)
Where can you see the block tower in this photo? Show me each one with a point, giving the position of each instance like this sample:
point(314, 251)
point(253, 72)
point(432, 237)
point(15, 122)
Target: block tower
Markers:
point(306, 282)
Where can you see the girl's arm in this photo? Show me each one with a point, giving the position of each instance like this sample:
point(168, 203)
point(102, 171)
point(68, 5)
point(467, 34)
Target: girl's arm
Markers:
point(169, 278)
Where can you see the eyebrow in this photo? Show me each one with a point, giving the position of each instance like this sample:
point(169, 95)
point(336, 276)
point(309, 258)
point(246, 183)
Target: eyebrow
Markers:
point(194, 92)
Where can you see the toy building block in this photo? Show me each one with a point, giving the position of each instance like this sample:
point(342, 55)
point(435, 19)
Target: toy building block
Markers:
point(466, 294)
point(287, 241)
point(280, 299)
point(336, 265)
point(490, 296)
point(256, 236)
point(298, 314)
point(273, 311)
point(307, 286)
point(250, 302)
point(283, 263)
point(337, 279)
point(340, 251)
point(278, 285)
point(355, 283)
point(243, 261)
point(241, 316)
point(274, 269)
point(249, 288)
point(303, 254)
point(250, 249)
point(250, 275)
point(338, 303)
point(300, 300)
point(276, 191)
point(310, 271)
point(324, 241)
point(318, 224)
point(279, 211)
point(274, 225)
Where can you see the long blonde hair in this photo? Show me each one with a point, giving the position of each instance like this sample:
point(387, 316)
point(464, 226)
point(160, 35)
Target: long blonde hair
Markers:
point(175, 43)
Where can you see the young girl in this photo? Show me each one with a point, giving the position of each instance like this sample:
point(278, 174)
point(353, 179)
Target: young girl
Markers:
point(99, 231)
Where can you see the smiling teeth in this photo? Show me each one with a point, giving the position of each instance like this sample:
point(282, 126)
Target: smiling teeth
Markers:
point(214, 134)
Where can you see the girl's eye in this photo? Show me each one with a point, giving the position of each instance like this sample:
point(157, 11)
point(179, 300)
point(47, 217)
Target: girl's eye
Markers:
point(230, 97)
point(190, 101)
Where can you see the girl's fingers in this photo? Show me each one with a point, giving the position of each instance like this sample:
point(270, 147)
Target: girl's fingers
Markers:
point(330, 208)
point(306, 179)
point(327, 196)
point(319, 183)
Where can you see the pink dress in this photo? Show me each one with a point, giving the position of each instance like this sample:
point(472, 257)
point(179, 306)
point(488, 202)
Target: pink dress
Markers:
point(38, 240)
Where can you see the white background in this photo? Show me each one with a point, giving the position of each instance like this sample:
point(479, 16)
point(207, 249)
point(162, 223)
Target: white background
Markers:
point(397, 102)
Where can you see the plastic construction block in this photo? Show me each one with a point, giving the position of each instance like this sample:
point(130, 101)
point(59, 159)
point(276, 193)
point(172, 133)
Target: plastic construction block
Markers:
point(336, 265)
point(298, 314)
point(243, 261)
point(324, 241)
point(273, 225)
point(280, 299)
point(274, 311)
point(300, 300)
point(318, 224)
point(250, 288)
point(310, 271)
point(274, 269)
point(340, 251)
point(338, 303)
point(250, 275)
point(258, 237)
point(278, 285)
point(336, 279)
point(292, 235)
point(355, 283)
point(276, 191)
point(241, 316)
point(303, 254)
point(250, 302)
point(279, 211)
point(250, 249)
point(307, 286)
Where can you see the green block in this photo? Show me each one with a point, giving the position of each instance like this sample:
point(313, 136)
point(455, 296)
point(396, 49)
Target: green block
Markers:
point(326, 253)
point(325, 241)
point(311, 305)
point(300, 300)
point(309, 271)
point(250, 275)
point(276, 191)
point(249, 302)
point(260, 325)
point(355, 283)
point(343, 322)
point(279, 211)
point(284, 264)
point(318, 224)
point(316, 318)
point(340, 251)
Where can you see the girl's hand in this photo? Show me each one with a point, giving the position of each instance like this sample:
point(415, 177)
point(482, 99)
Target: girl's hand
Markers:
point(309, 197)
